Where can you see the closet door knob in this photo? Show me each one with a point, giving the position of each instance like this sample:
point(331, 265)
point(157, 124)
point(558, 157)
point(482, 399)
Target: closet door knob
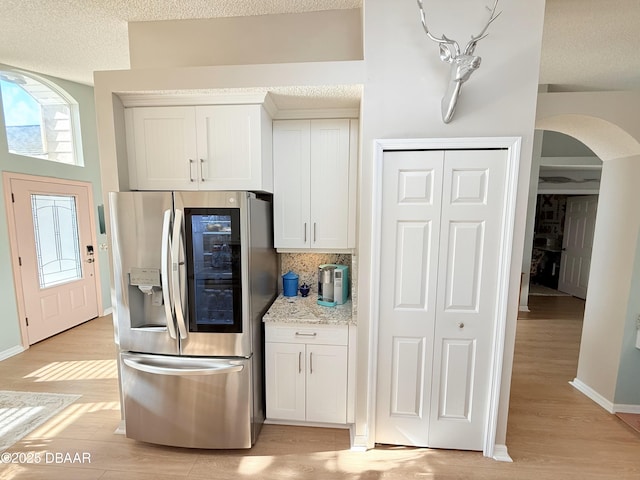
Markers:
point(461, 325)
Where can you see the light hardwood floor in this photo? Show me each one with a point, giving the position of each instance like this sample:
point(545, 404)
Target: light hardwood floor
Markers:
point(554, 432)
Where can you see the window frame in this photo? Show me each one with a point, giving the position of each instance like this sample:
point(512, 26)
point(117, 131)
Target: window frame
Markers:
point(75, 137)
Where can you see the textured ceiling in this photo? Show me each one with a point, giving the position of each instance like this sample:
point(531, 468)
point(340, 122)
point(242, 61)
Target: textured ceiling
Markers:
point(591, 45)
point(587, 44)
point(71, 39)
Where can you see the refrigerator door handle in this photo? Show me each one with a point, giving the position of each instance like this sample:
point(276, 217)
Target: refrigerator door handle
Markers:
point(178, 268)
point(212, 368)
point(166, 292)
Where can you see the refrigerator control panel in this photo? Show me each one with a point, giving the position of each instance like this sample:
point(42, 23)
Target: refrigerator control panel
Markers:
point(144, 276)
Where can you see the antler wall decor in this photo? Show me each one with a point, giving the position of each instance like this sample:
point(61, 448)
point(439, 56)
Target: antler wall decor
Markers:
point(463, 62)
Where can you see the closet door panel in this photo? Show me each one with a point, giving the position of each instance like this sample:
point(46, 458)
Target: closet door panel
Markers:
point(471, 226)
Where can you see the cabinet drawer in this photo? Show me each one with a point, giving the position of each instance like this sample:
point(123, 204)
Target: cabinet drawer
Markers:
point(309, 334)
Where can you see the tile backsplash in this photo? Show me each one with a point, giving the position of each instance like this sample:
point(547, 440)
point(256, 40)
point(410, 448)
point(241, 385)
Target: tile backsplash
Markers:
point(305, 265)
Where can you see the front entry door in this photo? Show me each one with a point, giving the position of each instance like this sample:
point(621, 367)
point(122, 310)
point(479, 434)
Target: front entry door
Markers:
point(442, 224)
point(55, 246)
point(577, 244)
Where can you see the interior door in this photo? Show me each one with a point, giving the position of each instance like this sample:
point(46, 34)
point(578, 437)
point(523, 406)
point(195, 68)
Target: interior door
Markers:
point(411, 204)
point(577, 244)
point(471, 226)
point(55, 245)
point(442, 221)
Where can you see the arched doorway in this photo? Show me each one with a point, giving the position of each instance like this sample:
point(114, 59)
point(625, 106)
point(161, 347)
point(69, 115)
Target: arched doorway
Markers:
point(614, 251)
point(564, 172)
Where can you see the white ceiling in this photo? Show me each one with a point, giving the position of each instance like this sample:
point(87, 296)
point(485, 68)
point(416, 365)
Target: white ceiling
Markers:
point(587, 44)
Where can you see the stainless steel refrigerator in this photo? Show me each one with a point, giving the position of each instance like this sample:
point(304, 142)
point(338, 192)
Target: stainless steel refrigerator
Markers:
point(193, 274)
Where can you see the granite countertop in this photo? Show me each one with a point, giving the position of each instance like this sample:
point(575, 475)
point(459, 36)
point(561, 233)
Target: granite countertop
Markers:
point(306, 310)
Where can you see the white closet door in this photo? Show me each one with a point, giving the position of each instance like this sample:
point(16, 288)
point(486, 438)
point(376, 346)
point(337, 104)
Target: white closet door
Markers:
point(442, 223)
point(411, 196)
point(473, 209)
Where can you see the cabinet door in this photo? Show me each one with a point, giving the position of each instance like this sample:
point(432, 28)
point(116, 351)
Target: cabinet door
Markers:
point(285, 381)
point(329, 183)
point(291, 154)
point(161, 143)
point(327, 383)
point(229, 147)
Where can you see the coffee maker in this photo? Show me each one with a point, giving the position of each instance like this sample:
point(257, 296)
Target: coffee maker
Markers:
point(333, 284)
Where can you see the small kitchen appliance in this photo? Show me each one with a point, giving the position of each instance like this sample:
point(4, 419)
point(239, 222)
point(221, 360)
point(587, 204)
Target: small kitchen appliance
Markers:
point(333, 284)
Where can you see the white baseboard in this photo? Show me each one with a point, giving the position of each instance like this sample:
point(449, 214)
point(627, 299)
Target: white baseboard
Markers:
point(10, 352)
point(107, 311)
point(524, 308)
point(500, 454)
point(296, 423)
point(358, 442)
point(121, 430)
point(592, 394)
point(621, 408)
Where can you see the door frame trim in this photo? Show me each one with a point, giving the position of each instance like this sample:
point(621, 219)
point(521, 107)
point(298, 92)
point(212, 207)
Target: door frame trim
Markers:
point(13, 240)
point(513, 147)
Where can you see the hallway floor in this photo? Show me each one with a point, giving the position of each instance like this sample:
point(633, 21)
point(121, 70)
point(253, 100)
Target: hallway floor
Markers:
point(554, 431)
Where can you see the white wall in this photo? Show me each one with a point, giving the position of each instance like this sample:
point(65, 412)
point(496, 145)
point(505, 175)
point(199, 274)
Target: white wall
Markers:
point(323, 36)
point(530, 223)
point(628, 385)
point(614, 249)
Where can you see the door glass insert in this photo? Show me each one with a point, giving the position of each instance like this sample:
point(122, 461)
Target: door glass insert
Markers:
point(214, 269)
point(55, 225)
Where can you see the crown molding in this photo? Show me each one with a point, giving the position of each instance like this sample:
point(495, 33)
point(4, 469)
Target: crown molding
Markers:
point(265, 99)
point(301, 114)
point(178, 99)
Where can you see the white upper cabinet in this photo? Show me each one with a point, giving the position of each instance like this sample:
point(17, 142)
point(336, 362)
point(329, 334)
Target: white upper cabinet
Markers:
point(161, 146)
point(216, 147)
point(315, 183)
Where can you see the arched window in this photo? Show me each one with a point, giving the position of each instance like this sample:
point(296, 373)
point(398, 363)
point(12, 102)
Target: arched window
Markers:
point(40, 119)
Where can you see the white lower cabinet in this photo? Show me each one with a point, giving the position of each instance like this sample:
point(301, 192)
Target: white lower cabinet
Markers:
point(306, 373)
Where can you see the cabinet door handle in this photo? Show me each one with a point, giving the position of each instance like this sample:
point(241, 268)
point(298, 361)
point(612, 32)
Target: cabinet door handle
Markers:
point(202, 169)
point(305, 334)
point(299, 362)
point(310, 363)
point(305, 232)
point(191, 179)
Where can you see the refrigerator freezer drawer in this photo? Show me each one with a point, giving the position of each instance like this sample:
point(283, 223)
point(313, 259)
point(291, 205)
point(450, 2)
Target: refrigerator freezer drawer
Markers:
point(188, 402)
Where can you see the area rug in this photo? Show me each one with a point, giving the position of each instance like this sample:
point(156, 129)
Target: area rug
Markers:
point(23, 412)
point(545, 291)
